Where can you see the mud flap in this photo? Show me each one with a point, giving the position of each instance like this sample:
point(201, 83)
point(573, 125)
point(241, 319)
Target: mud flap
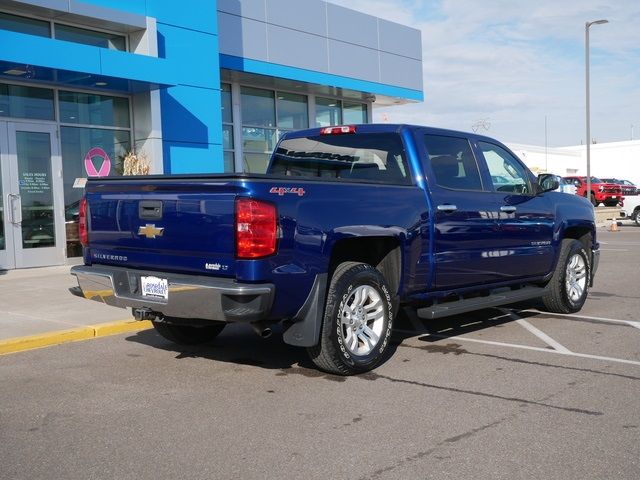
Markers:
point(304, 328)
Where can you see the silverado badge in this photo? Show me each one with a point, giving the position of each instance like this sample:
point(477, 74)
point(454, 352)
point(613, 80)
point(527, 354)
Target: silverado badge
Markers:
point(150, 231)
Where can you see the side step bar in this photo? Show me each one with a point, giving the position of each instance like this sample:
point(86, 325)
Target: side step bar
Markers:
point(457, 307)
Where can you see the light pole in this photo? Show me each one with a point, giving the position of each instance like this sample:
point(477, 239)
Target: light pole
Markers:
point(586, 53)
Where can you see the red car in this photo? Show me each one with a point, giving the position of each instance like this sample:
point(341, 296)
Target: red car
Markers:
point(627, 187)
point(601, 192)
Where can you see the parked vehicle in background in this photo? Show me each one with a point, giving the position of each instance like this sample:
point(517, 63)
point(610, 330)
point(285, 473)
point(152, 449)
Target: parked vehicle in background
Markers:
point(349, 224)
point(628, 188)
point(610, 194)
point(631, 209)
point(564, 185)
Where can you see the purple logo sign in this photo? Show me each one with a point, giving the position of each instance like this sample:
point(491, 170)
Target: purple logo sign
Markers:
point(90, 167)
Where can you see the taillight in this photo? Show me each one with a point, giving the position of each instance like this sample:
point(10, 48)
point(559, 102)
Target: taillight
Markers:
point(256, 228)
point(83, 230)
point(341, 130)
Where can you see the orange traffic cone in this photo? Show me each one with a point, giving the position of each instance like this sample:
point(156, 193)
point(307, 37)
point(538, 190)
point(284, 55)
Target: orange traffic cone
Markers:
point(613, 226)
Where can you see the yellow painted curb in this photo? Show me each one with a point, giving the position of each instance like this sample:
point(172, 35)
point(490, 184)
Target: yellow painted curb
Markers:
point(31, 342)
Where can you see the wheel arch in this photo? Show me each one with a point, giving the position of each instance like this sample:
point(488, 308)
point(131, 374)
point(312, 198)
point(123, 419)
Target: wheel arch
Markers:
point(382, 252)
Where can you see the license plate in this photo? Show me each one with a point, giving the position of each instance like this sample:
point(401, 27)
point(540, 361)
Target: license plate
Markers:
point(155, 287)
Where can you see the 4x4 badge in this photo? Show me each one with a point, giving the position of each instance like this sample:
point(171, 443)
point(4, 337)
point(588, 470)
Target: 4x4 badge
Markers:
point(151, 231)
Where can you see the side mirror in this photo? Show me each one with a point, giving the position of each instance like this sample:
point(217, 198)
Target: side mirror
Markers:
point(547, 182)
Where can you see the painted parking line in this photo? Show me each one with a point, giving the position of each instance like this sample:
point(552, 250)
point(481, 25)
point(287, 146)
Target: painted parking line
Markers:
point(567, 353)
point(536, 331)
point(573, 316)
point(554, 347)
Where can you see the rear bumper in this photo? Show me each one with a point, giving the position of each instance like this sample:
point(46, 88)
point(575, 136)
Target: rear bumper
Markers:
point(189, 296)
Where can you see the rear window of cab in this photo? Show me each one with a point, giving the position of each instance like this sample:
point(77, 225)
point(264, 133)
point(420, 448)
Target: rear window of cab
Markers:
point(373, 158)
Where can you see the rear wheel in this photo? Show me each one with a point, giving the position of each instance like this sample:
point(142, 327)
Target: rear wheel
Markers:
point(592, 199)
point(188, 334)
point(636, 216)
point(569, 285)
point(357, 321)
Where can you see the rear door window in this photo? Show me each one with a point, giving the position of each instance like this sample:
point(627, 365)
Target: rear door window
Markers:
point(373, 157)
point(452, 161)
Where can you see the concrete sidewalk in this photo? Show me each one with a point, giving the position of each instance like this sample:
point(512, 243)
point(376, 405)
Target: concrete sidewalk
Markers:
point(37, 301)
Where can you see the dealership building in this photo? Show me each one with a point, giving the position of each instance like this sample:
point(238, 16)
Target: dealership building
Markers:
point(203, 86)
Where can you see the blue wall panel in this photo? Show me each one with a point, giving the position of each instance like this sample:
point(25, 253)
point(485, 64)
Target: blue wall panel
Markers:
point(190, 110)
point(191, 114)
point(194, 157)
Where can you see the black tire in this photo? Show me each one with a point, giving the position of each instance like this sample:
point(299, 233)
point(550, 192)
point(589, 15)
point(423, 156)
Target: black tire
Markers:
point(561, 297)
point(592, 199)
point(610, 203)
point(333, 354)
point(636, 216)
point(188, 334)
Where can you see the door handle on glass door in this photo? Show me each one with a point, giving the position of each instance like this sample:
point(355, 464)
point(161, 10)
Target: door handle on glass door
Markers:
point(11, 198)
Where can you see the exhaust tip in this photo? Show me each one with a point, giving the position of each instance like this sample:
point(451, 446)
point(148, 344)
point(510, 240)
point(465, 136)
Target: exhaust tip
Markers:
point(261, 330)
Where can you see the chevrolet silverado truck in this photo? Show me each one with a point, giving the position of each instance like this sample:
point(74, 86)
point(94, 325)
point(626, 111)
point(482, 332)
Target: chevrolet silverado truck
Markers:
point(609, 194)
point(349, 225)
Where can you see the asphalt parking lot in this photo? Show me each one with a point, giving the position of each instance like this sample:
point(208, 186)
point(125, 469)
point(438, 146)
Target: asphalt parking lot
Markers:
point(501, 393)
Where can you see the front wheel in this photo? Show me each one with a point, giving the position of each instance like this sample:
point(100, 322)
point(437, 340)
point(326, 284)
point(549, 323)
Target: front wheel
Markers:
point(357, 321)
point(569, 285)
point(188, 334)
point(636, 216)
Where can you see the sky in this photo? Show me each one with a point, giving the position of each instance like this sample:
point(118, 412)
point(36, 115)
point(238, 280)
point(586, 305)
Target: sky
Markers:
point(501, 66)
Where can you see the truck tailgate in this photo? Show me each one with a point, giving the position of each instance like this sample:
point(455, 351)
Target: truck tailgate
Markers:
point(173, 225)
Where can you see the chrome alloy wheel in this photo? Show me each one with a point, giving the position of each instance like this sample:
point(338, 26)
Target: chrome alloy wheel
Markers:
point(362, 320)
point(576, 278)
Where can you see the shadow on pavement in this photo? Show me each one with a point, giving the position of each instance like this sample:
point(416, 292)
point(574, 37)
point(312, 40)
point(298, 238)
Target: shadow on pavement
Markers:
point(237, 344)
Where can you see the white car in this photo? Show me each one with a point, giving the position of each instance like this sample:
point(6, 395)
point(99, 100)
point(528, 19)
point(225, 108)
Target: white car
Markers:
point(631, 209)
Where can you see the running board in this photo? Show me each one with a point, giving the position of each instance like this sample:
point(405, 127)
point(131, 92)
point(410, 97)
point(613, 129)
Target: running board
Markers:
point(457, 307)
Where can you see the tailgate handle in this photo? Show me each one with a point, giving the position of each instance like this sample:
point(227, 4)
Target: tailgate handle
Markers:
point(150, 209)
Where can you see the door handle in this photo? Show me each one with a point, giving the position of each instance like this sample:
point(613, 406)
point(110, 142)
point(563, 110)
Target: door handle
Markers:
point(447, 208)
point(508, 208)
point(11, 198)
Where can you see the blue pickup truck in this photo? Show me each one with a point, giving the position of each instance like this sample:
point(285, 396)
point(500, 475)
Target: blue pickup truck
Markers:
point(349, 225)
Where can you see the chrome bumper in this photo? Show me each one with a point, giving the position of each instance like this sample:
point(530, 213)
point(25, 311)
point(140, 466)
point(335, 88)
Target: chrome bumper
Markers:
point(189, 296)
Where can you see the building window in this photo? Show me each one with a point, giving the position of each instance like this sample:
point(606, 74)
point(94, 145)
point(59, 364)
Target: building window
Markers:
point(90, 37)
point(19, 101)
point(93, 109)
point(227, 128)
point(30, 26)
point(328, 112)
point(42, 28)
point(259, 134)
point(293, 111)
point(95, 136)
point(354, 113)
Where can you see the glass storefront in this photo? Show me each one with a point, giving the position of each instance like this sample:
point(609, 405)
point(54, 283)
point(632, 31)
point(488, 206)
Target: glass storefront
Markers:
point(33, 153)
point(95, 136)
point(227, 128)
point(266, 115)
point(19, 101)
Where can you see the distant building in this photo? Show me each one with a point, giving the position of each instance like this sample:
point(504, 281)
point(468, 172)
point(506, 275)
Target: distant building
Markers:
point(609, 160)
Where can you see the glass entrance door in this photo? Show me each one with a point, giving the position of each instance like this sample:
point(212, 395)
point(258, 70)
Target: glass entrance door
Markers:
point(33, 220)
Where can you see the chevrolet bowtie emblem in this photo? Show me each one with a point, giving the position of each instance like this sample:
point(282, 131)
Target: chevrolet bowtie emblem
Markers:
point(150, 231)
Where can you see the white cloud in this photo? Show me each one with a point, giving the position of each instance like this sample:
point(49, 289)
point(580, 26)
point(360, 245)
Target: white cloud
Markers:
point(515, 62)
